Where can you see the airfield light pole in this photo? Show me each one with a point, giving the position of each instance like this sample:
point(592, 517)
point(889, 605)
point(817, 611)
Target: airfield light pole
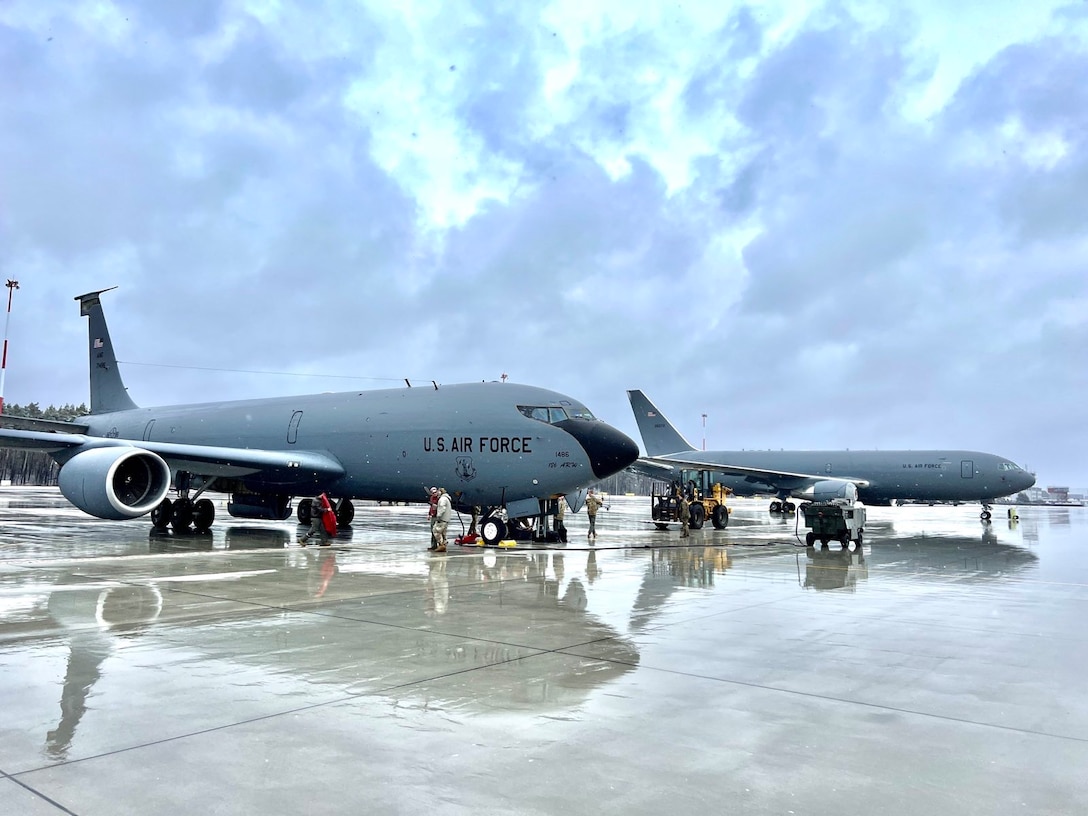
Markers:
point(704, 431)
point(12, 286)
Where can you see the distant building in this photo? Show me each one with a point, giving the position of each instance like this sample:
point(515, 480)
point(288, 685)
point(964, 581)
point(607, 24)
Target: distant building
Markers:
point(1058, 494)
point(1055, 495)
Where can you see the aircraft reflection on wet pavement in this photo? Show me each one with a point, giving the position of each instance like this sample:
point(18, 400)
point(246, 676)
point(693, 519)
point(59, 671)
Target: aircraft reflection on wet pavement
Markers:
point(473, 629)
point(379, 649)
point(959, 557)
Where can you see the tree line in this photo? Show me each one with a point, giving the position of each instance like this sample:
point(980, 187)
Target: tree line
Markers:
point(30, 467)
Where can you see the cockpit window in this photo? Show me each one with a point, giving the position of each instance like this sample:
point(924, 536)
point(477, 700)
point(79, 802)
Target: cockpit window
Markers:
point(1010, 466)
point(544, 413)
point(581, 413)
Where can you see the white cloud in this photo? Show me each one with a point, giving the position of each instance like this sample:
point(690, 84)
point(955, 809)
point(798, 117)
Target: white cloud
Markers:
point(713, 202)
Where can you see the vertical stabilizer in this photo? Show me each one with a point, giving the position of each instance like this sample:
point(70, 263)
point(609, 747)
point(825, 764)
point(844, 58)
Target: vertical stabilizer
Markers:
point(659, 437)
point(108, 392)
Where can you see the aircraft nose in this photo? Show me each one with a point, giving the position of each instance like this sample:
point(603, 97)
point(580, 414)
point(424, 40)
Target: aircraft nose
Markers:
point(609, 450)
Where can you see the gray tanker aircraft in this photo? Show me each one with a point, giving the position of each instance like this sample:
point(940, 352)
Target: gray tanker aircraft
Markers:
point(880, 476)
point(512, 450)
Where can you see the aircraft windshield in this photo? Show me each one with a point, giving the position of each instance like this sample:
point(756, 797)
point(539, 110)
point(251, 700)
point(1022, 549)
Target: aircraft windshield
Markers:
point(581, 413)
point(1010, 466)
point(544, 413)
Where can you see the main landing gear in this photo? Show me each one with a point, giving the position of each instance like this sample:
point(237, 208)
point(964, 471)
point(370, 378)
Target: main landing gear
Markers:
point(185, 512)
point(986, 515)
point(782, 506)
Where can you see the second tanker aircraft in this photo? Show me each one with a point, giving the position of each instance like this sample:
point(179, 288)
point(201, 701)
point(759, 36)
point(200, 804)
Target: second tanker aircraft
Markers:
point(880, 476)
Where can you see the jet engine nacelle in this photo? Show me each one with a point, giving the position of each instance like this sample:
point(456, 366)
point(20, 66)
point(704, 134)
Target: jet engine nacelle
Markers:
point(115, 483)
point(831, 490)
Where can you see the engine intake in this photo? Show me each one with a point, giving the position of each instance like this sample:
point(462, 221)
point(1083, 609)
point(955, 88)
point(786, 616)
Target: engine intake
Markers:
point(115, 483)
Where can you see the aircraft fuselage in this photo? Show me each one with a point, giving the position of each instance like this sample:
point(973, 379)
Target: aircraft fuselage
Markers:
point(938, 475)
point(474, 439)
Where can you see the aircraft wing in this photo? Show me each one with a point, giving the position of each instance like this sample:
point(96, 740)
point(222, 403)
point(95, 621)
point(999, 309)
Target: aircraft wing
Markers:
point(207, 460)
point(660, 467)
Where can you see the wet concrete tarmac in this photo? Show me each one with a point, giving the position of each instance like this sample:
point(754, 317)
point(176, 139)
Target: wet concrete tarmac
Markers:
point(940, 669)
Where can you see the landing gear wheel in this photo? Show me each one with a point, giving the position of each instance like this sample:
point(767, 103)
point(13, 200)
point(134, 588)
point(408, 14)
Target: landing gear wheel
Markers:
point(345, 513)
point(720, 518)
point(203, 514)
point(305, 511)
point(182, 516)
point(788, 507)
point(985, 515)
point(161, 515)
point(697, 516)
point(776, 507)
point(493, 530)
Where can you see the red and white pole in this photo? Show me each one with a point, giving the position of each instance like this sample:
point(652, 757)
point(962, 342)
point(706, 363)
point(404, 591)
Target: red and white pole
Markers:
point(12, 286)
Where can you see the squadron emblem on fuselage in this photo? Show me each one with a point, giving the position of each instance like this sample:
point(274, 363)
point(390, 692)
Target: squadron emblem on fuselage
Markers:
point(465, 471)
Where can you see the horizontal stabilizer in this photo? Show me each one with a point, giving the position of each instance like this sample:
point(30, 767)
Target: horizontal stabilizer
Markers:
point(42, 425)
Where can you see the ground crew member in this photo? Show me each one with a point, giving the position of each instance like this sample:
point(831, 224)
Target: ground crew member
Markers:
point(433, 505)
point(317, 523)
point(442, 512)
point(684, 514)
point(593, 504)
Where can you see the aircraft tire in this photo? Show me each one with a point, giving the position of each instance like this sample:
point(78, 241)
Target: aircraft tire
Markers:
point(493, 530)
point(776, 507)
point(182, 516)
point(345, 513)
point(304, 512)
point(985, 515)
point(203, 514)
point(160, 516)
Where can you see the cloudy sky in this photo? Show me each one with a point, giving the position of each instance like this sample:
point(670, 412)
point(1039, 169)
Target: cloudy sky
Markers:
point(823, 225)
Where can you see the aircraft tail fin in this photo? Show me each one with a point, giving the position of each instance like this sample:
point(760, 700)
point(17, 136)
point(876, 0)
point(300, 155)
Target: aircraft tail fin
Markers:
point(108, 392)
point(659, 437)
